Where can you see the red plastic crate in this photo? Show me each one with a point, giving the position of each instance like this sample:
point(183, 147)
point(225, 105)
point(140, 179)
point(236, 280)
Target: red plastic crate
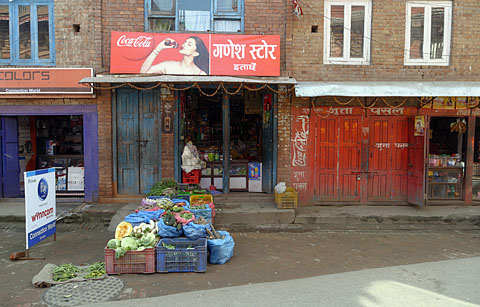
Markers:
point(131, 262)
point(191, 178)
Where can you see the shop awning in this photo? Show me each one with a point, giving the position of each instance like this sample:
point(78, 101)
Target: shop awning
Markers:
point(186, 79)
point(388, 89)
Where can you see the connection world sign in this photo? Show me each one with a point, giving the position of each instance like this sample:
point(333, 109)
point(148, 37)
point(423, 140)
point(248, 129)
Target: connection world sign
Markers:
point(40, 205)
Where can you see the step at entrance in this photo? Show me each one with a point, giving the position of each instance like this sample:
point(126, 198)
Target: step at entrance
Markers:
point(254, 209)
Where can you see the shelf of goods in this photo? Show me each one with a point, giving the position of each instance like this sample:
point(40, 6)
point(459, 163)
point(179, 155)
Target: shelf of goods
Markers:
point(445, 182)
point(213, 175)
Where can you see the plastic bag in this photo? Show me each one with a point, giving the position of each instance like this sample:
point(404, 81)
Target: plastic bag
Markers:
point(206, 213)
point(143, 216)
point(190, 159)
point(221, 250)
point(183, 220)
point(167, 231)
point(195, 231)
point(281, 187)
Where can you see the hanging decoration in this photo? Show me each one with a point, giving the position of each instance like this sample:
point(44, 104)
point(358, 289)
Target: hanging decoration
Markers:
point(297, 10)
point(459, 126)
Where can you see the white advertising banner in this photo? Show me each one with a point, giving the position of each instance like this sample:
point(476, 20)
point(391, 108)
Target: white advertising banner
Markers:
point(40, 205)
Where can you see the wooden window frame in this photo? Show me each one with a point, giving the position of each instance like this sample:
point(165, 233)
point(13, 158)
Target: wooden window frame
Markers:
point(214, 15)
point(14, 33)
point(346, 59)
point(445, 60)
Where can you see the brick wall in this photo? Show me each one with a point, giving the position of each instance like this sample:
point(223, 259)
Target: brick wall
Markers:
point(105, 151)
point(82, 48)
point(284, 119)
point(388, 42)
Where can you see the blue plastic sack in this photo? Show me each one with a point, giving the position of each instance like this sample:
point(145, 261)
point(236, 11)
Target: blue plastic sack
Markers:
point(143, 216)
point(179, 200)
point(206, 213)
point(166, 231)
point(195, 231)
point(220, 250)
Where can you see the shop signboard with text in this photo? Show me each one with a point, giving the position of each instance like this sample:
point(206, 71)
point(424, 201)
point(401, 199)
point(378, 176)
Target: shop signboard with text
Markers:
point(37, 81)
point(195, 54)
point(40, 205)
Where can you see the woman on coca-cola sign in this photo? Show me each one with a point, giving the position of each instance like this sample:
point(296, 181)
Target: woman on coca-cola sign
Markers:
point(195, 58)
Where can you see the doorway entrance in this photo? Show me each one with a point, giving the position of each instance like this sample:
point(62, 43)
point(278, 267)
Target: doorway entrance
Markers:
point(138, 141)
point(240, 127)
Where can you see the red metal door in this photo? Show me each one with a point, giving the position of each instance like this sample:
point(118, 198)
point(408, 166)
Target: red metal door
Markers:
point(416, 165)
point(326, 158)
point(387, 162)
point(349, 158)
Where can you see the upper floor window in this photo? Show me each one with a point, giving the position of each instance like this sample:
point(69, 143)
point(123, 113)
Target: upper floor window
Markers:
point(347, 32)
point(26, 32)
point(194, 15)
point(428, 33)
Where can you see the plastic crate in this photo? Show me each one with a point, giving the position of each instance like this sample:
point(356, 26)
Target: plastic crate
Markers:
point(286, 200)
point(191, 178)
point(205, 198)
point(131, 262)
point(188, 255)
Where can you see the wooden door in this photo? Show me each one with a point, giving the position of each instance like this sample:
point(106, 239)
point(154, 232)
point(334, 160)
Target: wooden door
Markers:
point(416, 165)
point(10, 167)
point(387, 159)
point(128, 175)
point(337, 158)
point(326, 158)
point(349, 158)
point(138, 141)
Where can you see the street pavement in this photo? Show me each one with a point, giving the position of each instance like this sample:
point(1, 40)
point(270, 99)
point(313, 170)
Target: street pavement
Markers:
point(437, 284)
point(259, 259)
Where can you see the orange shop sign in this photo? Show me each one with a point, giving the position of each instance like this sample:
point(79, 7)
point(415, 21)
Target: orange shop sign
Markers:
point(29, 81)
point(195, 54)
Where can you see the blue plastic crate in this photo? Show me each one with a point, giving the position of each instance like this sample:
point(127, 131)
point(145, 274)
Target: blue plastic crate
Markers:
point(188, 255)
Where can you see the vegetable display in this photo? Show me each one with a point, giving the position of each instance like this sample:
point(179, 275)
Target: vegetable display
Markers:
point(123, 229)
point(141, 237)
point(68, 271)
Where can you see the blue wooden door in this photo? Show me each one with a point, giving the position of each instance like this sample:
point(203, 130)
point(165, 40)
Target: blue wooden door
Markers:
point(127, 142)
point(10, 173)
point(138, 141)
point(267, 144)
point(150, 139)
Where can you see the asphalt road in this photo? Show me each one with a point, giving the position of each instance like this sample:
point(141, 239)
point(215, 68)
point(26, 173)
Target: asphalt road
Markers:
point(447, 283)
point(259, 260)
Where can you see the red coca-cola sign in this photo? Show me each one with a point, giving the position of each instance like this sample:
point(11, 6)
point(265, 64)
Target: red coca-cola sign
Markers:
point(195, 54)
point(141, 44)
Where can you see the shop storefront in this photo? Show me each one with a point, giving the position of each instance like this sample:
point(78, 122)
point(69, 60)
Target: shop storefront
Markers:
point(397, 149)
point(187, 91)
point(152, 126)
point(39, 130)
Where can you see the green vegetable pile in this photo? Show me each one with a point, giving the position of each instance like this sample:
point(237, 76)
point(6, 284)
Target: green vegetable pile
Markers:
point(68, 271)
point(165, 187)
point(65, 272)
point(170, 220)
point(95, 270)
point(143, 236)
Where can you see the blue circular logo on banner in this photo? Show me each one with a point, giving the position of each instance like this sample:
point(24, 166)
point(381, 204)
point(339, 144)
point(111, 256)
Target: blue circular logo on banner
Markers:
point(42, 189)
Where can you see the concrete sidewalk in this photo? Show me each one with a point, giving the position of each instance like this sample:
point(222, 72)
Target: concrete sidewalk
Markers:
point(302, 219)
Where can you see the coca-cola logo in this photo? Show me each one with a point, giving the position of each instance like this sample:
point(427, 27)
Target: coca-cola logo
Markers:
point(138, 48)
point(141, 41)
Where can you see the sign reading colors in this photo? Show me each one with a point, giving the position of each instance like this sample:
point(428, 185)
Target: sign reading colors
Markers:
point(29, 81)
point(40, 205)
point(195, 54)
